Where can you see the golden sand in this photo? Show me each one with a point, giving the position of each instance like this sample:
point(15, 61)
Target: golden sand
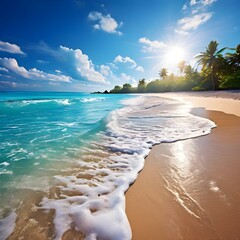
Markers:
point(191, 189)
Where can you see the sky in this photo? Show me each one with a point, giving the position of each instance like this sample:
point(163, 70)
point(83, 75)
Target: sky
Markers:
point(91, 45)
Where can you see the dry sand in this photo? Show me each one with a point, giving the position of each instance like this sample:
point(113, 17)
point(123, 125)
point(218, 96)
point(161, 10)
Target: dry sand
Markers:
point(191, 189)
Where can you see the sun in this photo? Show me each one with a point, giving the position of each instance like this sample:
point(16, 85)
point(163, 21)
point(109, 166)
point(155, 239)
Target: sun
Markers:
point(174, 55)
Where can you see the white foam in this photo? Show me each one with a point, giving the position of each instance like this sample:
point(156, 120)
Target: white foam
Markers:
point(4, 164)
point(85, 100)
point(5, 172)
point(98, 207)
point(213, 186)
point(64, 101)
point(37, 101)
point(7, 225)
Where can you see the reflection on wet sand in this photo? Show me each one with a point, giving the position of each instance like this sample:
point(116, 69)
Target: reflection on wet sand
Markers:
point(190, 189)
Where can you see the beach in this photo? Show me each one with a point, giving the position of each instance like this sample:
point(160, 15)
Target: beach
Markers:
point(173, 156)
point(189, 189)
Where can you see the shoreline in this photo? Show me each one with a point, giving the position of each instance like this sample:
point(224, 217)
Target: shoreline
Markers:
point(177, 204)
point(43, 219)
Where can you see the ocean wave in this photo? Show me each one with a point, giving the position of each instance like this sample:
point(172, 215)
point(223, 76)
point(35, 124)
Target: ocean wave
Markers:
point(26, 102)
point(86, 100)
point(4, 164)
point(93, 199)
point(67, 101)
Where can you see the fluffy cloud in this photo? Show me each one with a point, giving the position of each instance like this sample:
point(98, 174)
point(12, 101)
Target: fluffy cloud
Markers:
point(105, 23)
point(207, 2)
point(84, 65)
point(120, 59)
point(126, 78)
point(184, 7)
point(203, 2)
point(12, 65)
point(192, 23)
point(199, 15)
point(151, 46)
point(139, 69)
point(193, 2)
point(105, 70)
point(10, 48)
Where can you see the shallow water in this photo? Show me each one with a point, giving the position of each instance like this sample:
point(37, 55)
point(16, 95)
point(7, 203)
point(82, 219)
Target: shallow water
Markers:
point(89, 152)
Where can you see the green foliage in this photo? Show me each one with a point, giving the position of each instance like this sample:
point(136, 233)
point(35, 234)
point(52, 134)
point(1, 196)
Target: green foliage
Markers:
point(163, 73)
point(218, 71)
point(141, 86)
point(117, 89)
point(127, 88)
point(234, 58)
point(231, 81)
point(182, 66)
point(198, 88)
point(209, 60)
point(170, 84)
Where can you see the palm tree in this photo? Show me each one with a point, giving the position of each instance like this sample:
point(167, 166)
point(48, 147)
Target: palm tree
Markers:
point(163, 73)
point(141, 85)
point(127, 88)
point(209, 59)
point(234, 58)
point(182, 66)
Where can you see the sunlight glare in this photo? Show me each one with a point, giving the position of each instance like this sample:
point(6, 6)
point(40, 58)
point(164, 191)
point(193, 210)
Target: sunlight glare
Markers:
point(174, 55)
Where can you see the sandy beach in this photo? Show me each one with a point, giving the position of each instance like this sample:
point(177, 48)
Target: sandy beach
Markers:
point(191, 189)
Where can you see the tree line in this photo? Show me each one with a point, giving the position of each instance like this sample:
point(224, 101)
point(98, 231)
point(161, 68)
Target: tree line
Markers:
point(217, 72)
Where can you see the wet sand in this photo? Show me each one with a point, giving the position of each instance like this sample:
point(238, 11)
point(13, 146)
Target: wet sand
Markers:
point(190, 189)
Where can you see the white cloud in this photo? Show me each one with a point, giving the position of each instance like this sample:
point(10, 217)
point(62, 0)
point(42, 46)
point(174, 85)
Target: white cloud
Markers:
point(8, 84)
point(84, 65)
point(54, 84)
point(126, 78)
point(17, 85)
point(120, 59)
point(151, 46)
point(192, 23)
point(3, 69)
point(184, 7)
point(34, 74)
point(183, 33)
point(10, 48)
point(113, 65)
point(42, 61)
point(207, 2)
point(105, 23)
point(199, 16)
point(193, 2)
point(139, 69)
point(105, 70)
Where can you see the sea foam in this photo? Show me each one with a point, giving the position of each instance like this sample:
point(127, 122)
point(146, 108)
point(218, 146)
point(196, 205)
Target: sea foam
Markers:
point(60, 101)
point(91, 199)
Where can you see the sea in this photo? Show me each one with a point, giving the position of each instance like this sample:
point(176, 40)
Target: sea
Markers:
point(79, 153)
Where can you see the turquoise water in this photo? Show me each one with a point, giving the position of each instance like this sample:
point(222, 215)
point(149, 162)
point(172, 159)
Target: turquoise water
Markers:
point(42, 130)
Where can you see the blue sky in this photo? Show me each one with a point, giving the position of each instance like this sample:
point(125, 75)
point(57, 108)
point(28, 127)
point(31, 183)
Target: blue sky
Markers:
point(90, 45)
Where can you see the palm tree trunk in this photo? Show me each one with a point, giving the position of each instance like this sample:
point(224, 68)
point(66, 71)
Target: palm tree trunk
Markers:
point(213, 83)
